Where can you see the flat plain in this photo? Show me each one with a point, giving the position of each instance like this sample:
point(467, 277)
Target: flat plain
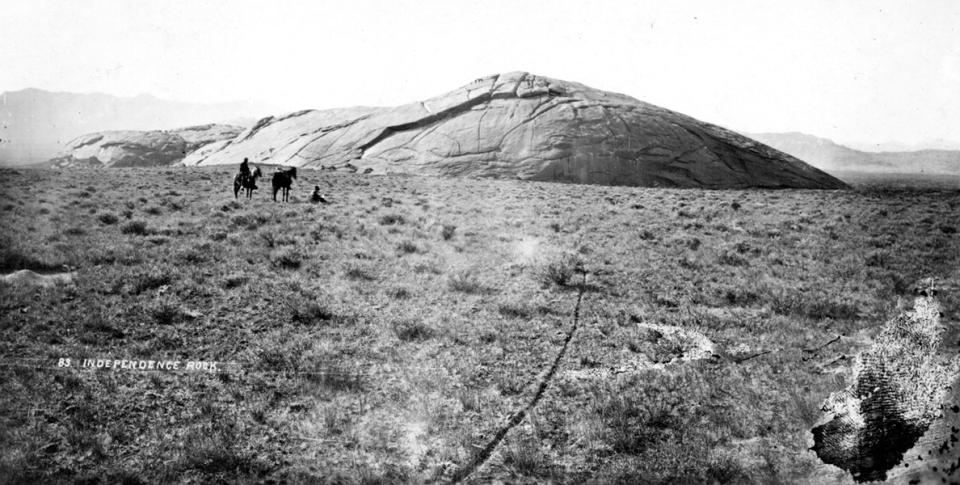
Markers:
point(434, 329)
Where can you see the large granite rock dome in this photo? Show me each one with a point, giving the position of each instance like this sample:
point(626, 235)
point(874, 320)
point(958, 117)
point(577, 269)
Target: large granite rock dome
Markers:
point(522, 126)
point(141, 148)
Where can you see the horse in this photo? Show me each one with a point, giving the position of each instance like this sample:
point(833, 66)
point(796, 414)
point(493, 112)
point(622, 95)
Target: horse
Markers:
point(248, 182)
point(282, 180)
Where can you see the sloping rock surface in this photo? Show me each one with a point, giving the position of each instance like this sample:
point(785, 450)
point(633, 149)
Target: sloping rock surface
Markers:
point(522, 126)
point(141, 148)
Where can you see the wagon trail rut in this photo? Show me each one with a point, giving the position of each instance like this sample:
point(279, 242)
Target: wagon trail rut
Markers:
point(484, 454)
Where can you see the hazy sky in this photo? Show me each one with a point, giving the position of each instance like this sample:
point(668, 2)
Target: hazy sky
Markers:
point(867, 71)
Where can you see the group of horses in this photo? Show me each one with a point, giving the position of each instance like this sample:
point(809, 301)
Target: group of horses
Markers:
point(281, 181)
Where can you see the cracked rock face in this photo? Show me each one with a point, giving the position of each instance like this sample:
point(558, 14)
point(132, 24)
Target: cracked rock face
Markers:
point(522, 126)
point(141, 148)
point(900, 384)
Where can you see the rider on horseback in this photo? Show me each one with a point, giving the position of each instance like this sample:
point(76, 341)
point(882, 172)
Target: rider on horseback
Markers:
point(245, 172)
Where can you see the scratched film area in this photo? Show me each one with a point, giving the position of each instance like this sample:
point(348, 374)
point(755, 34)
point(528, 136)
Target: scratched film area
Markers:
point(435, 330)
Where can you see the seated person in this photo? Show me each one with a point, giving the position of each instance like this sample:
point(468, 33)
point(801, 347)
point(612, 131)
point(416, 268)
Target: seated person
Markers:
point(316, 197)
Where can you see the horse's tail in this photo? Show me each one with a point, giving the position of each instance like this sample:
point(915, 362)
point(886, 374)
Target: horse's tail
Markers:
point(236, 185)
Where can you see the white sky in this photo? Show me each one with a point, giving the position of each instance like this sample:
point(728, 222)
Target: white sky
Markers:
point(867, 71)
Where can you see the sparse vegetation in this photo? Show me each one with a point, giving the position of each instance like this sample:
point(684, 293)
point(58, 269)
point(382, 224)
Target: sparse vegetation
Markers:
point(108, 218)
point(391, 219)
point(390, 343)
point(466, 281)
point(412, 330)
point(562, 271)
point(448, 231)
point(286, 258)
point(408, 247)
point(138, 228)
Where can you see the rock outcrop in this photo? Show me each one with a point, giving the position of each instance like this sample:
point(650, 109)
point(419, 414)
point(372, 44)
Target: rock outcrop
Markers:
point(522, 126)
point(27, 278)
point(141, 148)
point(899, 390)
point(35, 124)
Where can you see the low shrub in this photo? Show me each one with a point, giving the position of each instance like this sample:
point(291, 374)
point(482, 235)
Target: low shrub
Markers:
point(448, 232)
point(561, 272)
point(391, 219)
point(286, 259)
point(108, 218)
point(412, 330)
point(138, 228)
point(465, 282)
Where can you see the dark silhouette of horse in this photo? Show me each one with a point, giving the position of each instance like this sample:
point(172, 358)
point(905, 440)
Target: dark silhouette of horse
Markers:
point(244, 181)
point(282, 180)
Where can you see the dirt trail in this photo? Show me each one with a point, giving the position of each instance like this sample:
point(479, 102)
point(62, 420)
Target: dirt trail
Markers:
point(518, 417)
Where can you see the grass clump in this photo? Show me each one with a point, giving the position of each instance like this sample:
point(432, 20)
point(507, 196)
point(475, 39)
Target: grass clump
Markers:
point(524, 457)
point(412, 330)
point(138, 228)
point(391, 219)
point(810, 304)
point(561, 272)
point(448, 232)
point(360, 273)
point(166, 312)
point(108, 218)
point(465, 282)
point(408, 247)
point(399, 293)
point(731, 259)
point(286, 259)
point(312, 313)
point(515, 310)
point(234, 281)
point(153, 278)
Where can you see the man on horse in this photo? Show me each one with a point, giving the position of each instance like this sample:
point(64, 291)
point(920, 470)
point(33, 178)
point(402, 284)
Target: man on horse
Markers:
point(245, 180)
point(245, 171)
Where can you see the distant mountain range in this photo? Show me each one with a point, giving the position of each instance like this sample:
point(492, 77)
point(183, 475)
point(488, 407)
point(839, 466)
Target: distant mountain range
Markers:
point(36, 125)
point(833, 157)
point(893, 146)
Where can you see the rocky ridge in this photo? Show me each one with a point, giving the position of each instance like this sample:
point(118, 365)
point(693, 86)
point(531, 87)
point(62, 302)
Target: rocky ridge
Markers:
point(521, 126)
point(141, 148)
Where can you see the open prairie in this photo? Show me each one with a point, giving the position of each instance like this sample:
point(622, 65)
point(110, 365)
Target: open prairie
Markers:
point(433, 330)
